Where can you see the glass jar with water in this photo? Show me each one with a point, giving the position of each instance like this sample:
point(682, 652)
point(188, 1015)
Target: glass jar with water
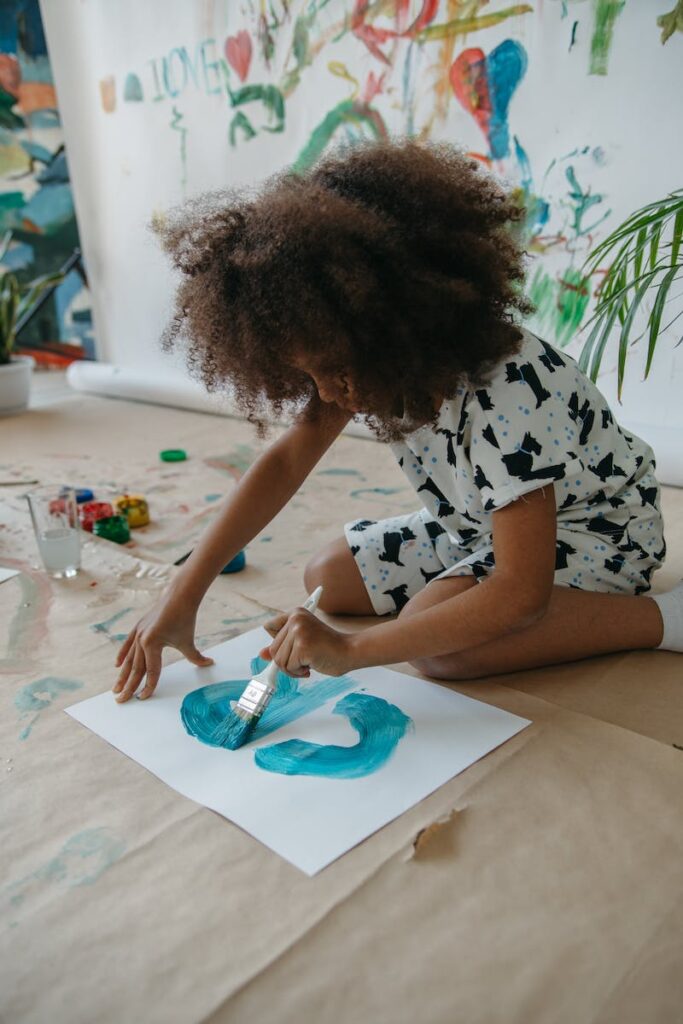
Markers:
point(54, 513)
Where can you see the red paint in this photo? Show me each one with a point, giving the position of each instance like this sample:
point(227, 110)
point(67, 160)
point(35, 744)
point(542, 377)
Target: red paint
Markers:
point(92, 510)
point(238, 53)
point(373, 86)
point(374, 37)
point(470, 84)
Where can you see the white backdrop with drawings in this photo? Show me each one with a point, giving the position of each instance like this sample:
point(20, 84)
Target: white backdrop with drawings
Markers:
point(167, 98)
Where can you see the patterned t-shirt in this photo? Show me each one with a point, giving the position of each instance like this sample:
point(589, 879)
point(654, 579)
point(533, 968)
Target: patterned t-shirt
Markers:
point(539, 421)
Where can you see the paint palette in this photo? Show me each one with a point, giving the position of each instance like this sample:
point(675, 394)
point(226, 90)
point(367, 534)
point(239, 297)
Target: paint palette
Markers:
point(332, 760)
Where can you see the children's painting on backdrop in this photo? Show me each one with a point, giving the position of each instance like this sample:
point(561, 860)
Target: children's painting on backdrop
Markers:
point(36, 200)
point(331, 761)
point(183, 96)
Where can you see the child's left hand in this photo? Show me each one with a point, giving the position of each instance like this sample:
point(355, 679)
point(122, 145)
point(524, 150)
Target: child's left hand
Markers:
point(303, 642)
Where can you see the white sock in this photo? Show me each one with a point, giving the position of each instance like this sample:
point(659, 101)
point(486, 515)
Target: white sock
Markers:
point(671, 608)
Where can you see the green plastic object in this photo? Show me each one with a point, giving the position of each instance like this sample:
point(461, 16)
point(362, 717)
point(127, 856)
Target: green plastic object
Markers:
point(173, 455)
point(114, 528)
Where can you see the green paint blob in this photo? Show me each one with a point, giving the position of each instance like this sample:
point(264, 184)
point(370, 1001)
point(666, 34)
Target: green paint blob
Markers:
point(606, 14)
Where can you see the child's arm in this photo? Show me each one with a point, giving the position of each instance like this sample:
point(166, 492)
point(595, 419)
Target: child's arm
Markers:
point(512, 598)
point(261, 493)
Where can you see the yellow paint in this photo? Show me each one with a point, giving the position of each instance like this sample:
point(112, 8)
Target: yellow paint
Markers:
point(134, 508)
point(341, 71)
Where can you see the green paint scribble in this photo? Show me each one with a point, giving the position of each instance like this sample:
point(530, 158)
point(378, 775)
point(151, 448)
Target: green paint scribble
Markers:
point(177, 125)
point(272, 100)
point(36, 696)
point(582, 202)
point(560, 303)
point(81, 861)
point(347, 113)
point(671, 22)
point(606, 14)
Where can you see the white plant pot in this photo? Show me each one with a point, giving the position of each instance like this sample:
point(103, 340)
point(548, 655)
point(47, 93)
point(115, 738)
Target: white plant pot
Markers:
point(15, 384)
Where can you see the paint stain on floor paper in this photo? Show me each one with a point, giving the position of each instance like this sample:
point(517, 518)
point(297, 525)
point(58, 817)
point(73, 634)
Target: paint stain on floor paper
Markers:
point(35, 697)
point(83, 858)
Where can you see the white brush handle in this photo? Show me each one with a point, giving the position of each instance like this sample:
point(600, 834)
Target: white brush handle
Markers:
point(311, 602)
point(269, 675)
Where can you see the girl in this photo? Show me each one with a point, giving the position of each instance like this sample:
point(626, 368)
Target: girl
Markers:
point(386, 283)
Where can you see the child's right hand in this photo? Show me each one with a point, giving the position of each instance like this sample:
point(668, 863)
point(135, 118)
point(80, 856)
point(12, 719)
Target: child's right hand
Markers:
point(140, 655)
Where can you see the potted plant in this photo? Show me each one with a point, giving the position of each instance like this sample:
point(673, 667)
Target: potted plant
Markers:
point(16, 301)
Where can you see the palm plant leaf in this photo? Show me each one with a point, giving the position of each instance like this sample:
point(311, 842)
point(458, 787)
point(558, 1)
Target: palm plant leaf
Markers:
point(651, 238)
point(4, 244)
point(656, 315)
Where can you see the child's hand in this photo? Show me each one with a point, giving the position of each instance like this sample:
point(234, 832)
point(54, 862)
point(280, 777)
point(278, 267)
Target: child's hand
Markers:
point(140, 655)
point(303, 642)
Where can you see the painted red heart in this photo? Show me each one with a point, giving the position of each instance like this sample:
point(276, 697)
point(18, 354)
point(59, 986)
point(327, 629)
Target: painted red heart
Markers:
point(238, 53)
point(484, 86)
point(470, 85)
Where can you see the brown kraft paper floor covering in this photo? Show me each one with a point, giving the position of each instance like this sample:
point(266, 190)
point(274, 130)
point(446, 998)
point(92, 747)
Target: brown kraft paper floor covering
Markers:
point(552, 894)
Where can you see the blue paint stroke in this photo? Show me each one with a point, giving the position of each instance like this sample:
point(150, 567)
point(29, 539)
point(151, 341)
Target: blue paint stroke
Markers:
point(380, 727)
point(376, 490)
point(537, 209)
point(505, 68)
point(36, 696)
point(203, 710)
point(339, 472)
point(83, 858)
point(105, 627)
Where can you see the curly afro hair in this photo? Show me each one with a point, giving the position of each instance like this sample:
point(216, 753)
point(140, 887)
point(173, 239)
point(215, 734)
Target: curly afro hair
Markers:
point(393, 263)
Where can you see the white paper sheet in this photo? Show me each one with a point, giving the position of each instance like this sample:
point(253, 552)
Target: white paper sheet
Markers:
point(308, 820)
point(7, 574)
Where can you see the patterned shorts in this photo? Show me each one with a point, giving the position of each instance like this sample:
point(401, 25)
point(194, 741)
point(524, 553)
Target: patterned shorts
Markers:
point(397, 557)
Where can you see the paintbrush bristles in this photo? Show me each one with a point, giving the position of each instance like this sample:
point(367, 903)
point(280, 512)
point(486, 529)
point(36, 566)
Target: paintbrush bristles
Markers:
point(234, 730)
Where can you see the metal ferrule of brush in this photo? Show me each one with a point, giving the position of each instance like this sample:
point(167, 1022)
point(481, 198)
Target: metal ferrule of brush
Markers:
point(255, 698)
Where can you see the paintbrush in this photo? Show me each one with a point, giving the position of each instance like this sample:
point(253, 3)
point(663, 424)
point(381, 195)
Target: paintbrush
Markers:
point(236, 728)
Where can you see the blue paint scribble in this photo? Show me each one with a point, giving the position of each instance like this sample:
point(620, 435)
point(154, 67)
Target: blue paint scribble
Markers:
point(376, 490)
point(83, 858)
point(38, 695)
point(203, 710)
point(380, 727)
point(105, 627)
point(506, 66)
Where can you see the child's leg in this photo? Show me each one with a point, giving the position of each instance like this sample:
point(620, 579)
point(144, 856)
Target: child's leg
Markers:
point(334, 568)
point(578, 624)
